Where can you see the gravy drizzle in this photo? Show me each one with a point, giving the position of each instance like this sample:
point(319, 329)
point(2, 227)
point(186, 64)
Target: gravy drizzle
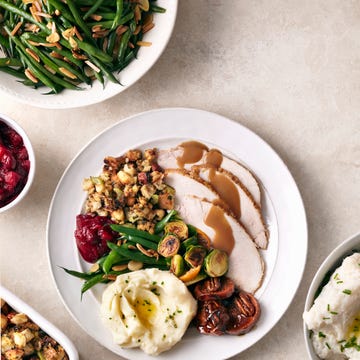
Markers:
point(193, 152)
point(224, 238)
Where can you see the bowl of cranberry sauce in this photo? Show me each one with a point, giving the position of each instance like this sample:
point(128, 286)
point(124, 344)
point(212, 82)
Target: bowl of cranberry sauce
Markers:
point(17, 163)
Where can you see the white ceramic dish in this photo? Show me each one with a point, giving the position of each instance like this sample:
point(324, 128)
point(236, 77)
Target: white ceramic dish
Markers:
point(283, 210)
point(329, 265)
point(147, 56)
point(13, 124)
point(20, 306)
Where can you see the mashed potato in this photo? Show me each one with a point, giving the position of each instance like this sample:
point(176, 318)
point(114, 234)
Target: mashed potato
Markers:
point(334, 319)
point(150, 309)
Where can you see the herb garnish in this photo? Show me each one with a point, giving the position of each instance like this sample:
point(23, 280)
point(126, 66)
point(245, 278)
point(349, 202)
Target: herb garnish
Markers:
point(347, 292)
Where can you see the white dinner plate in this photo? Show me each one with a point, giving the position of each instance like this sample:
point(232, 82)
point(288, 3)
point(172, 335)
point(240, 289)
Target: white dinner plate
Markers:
point(283, 210)
point(159, 36)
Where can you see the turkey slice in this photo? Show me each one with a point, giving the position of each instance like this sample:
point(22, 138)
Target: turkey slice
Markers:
point(246, 267)
point(184, 184)
point(174, 158)
point(232, 192)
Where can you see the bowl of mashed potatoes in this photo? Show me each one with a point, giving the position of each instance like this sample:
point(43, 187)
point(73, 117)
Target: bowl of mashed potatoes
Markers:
point(332, 308)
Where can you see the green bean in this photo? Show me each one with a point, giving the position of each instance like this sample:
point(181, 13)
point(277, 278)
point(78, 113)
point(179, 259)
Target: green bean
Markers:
point(98, 278)
point(78, 19)
point(159, 226)
point(157, 9)
point(112, 258)
point(10, 62)
point(139, 240)
point(136, 255)
point(17, 73)
point(78, 274)
point(135, 232)
point(93, 8)
point(95, 52)
point(118, 14)
point(123, 45)
point(105, 70)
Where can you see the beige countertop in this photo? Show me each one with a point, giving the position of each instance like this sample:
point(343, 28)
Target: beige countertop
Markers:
point(288, 70)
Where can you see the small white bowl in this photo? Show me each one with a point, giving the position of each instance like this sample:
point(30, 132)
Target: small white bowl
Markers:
point(20, 306)
point(11, 123)
point(333, 261)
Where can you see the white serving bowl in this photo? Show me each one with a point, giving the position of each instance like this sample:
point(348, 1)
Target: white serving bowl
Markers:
point(333, 261)
point(13, 124)
point(159, 36)
point(21, 307)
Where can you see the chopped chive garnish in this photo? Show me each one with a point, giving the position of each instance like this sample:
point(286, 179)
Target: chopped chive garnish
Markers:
point(328, 346)
point(321, 335)
point(347, 292)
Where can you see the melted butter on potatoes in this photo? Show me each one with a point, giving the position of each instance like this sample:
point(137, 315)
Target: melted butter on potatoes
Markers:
point(150, 309)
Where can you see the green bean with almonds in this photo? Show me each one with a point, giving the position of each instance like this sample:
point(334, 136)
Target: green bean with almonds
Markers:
point(84, 32)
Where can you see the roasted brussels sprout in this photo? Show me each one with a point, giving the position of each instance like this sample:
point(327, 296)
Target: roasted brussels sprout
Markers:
point(179, 228)
point(189, 242)
point(177, 266)
point(195, 255)
point(216, 263)
point(203, 239)
point(169, 245)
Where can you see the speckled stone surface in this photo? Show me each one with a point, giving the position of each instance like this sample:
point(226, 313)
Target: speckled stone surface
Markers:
point(288, 70)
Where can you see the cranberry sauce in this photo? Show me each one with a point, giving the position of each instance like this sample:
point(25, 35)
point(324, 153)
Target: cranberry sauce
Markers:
point(92, 234)
point(14, 164)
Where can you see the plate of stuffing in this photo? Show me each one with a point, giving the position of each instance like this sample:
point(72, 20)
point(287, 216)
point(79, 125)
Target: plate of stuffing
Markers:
point(58, 55)
point(175, 243)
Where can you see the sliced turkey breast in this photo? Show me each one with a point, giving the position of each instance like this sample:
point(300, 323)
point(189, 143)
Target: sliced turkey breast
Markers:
point(232, 192)
point(185, 156)
point(246, 267)
point(184, 184)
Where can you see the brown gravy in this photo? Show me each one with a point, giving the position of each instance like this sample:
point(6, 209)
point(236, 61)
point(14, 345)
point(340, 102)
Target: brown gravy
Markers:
point(224, 238)
point(226, 189)
point(193, 152)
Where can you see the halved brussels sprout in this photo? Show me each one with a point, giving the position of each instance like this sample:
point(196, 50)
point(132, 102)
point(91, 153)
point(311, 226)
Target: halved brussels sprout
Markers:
point(169, 245)
point(216, 263)
point(179, 228)
point(203, 239)
point(195, 255)
point(177, 266)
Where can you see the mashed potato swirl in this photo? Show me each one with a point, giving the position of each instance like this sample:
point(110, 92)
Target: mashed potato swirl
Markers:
point(149, 308)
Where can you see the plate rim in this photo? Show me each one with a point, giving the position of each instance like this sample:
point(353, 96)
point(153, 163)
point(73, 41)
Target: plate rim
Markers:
point(300, 205)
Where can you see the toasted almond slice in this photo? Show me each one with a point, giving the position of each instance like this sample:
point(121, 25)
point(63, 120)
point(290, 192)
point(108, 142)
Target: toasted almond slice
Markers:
point(147, 28)
point(131, 45)
point(94, 67)
point(42, 14)
point(78, 35)
point(34, 43)
point(95, 267)
point(31, 76)
point(16, 28)
point(148, 20)
point(73, 43)
point(53, 37)
point(135, 265)
point(78, 56)
point(119, 267)
point(137, 13)
point(121, 29)
point(56, 55)
point(144, 43)
point(33, 54)
point(96, 17)
point(67, 73)
point(57, 12)
point(97, 28)
point(49, 69)
point(137, 29)
point(109, 277)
